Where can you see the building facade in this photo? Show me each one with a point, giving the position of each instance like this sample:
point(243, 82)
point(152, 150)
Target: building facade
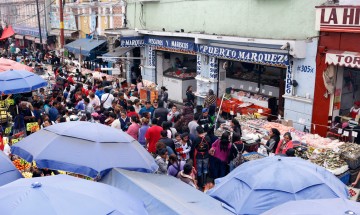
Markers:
point(337, 60)
point(216, 45)
point(22, 16)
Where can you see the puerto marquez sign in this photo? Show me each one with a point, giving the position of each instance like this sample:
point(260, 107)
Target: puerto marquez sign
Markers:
point(338, 18)
point(267, 58)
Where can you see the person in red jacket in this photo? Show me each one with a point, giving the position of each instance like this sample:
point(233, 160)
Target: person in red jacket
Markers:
point(284, 144)
point(152, 136)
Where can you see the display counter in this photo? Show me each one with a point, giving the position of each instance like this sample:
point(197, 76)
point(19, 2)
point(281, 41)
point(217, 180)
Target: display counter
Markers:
point(234, 106)
point(177, 81)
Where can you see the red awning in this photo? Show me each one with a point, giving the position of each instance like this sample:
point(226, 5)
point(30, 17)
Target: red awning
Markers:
point(343, 58)
point(7, 32)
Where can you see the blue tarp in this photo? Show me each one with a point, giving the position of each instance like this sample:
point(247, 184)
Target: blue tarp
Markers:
point(84, 46)
point(163, 195)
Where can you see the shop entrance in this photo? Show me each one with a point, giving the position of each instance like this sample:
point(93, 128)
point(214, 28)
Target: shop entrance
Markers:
point(347, 90)
point(175, 71)
point(254, 84)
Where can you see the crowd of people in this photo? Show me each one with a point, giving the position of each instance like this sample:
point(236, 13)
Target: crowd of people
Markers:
point(181, 138)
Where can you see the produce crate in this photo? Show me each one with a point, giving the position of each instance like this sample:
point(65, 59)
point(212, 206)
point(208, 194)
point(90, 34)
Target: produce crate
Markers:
point(345, 177)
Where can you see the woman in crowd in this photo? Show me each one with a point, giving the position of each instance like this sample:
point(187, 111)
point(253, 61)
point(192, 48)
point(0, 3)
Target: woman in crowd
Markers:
point(210, 102)
point(142, 131)
point(163, 95)
point(220, 151)
point(237, 146)
point(272, 143)
point(235, 126)
point(175, 165)
point(284, 144)
point(185, 147)
point(133, 129)
point(190, 96)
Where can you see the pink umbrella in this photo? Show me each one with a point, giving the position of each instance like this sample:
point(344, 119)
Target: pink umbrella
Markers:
point(6, 64)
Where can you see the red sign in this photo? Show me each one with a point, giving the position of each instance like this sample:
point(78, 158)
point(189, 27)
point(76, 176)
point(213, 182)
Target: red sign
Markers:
point(338, 18)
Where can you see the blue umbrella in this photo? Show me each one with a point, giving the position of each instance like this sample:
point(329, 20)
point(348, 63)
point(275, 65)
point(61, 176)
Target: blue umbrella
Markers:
point(257, 186)
point(8, 171)
point(317, 206)
point(20, 81)
point(64, 194)
point(85, 148)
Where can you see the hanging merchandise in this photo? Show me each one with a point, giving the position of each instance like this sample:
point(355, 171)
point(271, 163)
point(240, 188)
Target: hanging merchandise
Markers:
point(329, 77)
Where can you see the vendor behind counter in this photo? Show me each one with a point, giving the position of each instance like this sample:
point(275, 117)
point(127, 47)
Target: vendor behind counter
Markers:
point(355, 110)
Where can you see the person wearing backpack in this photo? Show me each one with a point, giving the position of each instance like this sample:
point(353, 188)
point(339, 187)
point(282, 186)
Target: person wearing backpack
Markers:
point(201, 155)
point(237, 148)
point(220, 151)
point(175, 165)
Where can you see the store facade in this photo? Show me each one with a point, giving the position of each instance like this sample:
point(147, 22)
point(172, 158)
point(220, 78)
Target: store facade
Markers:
point(171, 62)
point(274, 74)
point(338, 65)
point(29, 37)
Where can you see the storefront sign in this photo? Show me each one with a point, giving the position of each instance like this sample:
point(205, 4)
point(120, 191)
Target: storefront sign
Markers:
point(338, 18)
point(274, 59)
point(29, 31)
point(69, 20)
point(131, 41)
point(170, 43)
point(347, 59)
point(288, 81)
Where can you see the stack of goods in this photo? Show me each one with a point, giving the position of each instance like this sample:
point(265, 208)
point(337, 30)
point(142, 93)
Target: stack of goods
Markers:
point(253, 156)
point(181, 74)
point(328, 159)
point(350, 152)
point(21, 164)
point(316, 141)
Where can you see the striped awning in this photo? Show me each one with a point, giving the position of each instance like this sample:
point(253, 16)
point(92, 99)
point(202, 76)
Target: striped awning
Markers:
point(343, 58)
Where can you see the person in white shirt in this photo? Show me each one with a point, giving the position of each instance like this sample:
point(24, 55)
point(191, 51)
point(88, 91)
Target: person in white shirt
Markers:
point(107, 99)
point(137, 105)
point(115, 122)
point(88, 107)
point(94, 100)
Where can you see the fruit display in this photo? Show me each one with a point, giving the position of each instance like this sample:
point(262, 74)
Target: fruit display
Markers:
point(27, 174)
point(21, 164)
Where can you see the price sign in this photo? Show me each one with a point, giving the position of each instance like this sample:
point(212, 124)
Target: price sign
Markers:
point(354, 134)
point(270, 93)
point(250, 88)
point(257, 89)
point(340, 131)
point(241, 86)
point(13, 141)
point(7, 130)
point(260, 111)
point(346, 133)
point(231, 113)
point(12, 101)
point(263, 91)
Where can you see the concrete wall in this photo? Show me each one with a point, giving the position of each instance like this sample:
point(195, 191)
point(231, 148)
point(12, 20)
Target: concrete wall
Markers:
point(304, 73)
point(276, 19)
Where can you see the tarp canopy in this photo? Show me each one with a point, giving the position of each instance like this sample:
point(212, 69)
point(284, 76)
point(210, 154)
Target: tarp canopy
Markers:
point(118, 52)
point(7, 32)
point(84, 46)
point(6, 64)
point(164, 194)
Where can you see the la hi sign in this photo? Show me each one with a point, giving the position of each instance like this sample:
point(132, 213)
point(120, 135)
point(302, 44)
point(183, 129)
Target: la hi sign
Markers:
point(338, 18)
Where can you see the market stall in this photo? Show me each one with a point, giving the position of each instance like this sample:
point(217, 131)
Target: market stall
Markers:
point(177, 80)
point(261, 85)
point(340, 158)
